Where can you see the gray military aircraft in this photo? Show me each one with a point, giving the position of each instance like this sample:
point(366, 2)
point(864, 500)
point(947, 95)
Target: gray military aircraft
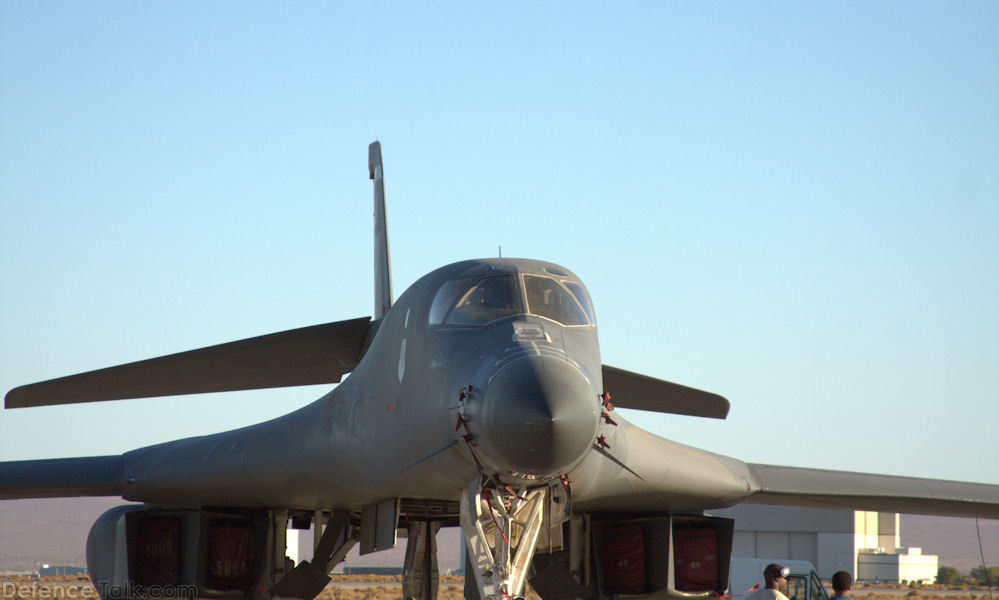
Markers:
point(478, 399)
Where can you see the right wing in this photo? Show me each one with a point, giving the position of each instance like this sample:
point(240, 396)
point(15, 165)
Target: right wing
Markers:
point(306, 356)
point(62, 477)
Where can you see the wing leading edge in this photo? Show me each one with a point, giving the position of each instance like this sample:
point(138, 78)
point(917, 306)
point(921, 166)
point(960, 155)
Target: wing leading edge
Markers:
point(306, 356)
point(679, 477)
point(62, 477)
point(641, 392)
point(821, 488)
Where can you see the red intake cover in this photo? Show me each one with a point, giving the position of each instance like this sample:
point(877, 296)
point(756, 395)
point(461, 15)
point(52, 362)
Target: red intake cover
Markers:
point(695, 559)
point(624, 559)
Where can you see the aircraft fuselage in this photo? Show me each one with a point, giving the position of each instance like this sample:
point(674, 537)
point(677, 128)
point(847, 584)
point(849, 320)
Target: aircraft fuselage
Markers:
point(483, 366)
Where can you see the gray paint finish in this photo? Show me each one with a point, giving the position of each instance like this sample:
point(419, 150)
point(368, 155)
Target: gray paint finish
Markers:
point(306, 356)
point(458, 379)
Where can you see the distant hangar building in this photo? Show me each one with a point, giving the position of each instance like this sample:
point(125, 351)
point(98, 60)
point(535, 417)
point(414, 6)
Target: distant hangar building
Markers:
point(863, 543)
point(60, 570)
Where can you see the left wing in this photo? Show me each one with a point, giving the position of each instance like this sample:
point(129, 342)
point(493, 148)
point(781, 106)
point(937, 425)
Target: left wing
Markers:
point(641, 392)
point(664, 475)
point(821, 488)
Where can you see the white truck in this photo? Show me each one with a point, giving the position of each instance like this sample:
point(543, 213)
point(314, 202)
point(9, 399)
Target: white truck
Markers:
point(802, 584)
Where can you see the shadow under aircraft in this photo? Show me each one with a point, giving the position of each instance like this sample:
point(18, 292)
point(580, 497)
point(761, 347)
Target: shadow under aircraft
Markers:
point(477, 399)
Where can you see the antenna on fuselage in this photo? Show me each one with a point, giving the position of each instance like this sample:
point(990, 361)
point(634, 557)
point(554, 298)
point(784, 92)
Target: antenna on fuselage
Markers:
point(383, 270)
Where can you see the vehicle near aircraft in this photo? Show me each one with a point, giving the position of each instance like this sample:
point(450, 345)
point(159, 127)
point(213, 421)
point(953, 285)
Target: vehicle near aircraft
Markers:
point(477, 399)
point(803, 583)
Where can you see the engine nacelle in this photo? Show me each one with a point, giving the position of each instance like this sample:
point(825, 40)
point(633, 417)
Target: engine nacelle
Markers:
point(135, 551)
point(648, 556)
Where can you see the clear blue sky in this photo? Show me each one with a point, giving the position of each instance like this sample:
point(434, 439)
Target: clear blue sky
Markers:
point(793, 205)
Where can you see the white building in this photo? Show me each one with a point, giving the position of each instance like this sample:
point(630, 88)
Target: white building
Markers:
point(299, 544)
point(903, 565)
point(864, 544)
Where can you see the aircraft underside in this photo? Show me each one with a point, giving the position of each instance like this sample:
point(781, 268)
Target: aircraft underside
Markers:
point(512, 537)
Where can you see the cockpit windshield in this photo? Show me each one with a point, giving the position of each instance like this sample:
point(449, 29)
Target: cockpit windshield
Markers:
point(490, 299)
point(496, 296)
point(547, 298)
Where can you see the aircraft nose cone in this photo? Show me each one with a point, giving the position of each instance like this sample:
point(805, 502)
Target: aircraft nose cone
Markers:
point(540, 416)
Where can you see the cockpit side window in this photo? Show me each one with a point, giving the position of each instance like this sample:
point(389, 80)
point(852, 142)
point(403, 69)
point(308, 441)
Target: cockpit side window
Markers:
point(584, 298)
point(444, 299)
point(547, 298)
point(489, 299)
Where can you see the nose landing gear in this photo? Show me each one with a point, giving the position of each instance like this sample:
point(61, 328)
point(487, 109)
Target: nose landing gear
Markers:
point(501, 527)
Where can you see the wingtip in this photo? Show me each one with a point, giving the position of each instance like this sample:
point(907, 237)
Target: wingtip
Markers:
point(15, 398)
point(723, 408)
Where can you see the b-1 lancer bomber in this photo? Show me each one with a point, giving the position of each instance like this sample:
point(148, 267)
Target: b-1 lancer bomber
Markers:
point(477, 399)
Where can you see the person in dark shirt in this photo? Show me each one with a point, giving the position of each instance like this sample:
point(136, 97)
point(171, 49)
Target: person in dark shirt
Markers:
point(841, 582)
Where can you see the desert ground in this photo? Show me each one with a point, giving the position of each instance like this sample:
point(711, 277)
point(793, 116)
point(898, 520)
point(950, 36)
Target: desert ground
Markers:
point(386, 587)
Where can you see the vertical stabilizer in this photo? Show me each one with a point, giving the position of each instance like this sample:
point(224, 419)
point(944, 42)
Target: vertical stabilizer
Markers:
point(383, 270)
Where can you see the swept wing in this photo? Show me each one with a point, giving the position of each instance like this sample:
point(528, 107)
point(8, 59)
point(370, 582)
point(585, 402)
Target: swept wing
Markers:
point(62, 477)
point(641, 392)
point(822, 488)
point(306, 356)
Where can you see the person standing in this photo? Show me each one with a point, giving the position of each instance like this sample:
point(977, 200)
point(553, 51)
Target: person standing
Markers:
point(841, 582)
point(775, 579)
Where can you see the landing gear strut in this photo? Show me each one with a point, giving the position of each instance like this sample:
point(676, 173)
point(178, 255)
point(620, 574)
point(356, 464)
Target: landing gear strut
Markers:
point(501, 526)
point(420, 578)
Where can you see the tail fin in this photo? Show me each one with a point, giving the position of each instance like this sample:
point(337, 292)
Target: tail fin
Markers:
point(383, 270)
